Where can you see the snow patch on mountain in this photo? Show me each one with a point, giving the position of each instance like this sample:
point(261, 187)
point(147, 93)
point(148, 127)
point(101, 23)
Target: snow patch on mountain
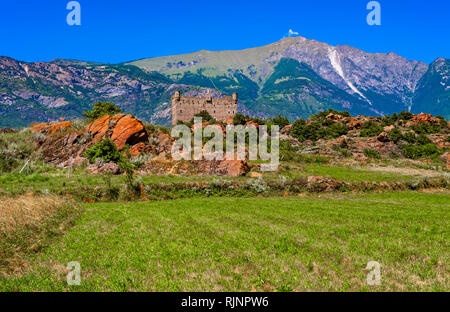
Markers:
point(335, 62)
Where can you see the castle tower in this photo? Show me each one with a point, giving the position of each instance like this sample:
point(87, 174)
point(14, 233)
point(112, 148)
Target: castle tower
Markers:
point(184, 108)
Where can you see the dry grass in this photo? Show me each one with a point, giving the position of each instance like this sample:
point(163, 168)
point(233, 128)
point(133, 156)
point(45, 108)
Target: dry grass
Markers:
point(27, 223)
point(28, 210)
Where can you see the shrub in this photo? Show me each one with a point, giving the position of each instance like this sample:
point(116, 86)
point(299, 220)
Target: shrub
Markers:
point(423, 140)
point(280, 121)
point(410, 137)
point(317, 130)
point(206, 117)
point(418, 151)
point(370, 129)
point(395, 135)
point(105, 149)
point(16, 148)
point(370, 153)
point(102, 109)
point(405, 115)
point(240, 119)
point(425, 128)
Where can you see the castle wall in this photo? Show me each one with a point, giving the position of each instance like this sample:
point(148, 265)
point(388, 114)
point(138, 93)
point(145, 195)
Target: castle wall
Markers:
point(184, 108)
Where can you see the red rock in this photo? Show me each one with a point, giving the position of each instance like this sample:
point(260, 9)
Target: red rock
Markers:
point(232, 168)
point(286, 129)
point(425, 118)
point(51, 127)
point(354, 123)
point(383, 137)
point(229, 121)
point(137, 149)
point(121, 129)
point(128, 130)
point(334, 117)
point(99, 127)
point(251, 123)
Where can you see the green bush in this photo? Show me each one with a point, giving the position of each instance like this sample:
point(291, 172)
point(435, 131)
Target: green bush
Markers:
point(370, 129)
point(206, 117)
point(104, 149)
point(410, 137)
point(423, 140)
point(395, 135)
point(370, 153)
point(419, 151)
point(425, 128)
point(280, 121)
point(15, 148)
point(405, 115)
point(317, 130)
point(240, 119)
point(102, 109)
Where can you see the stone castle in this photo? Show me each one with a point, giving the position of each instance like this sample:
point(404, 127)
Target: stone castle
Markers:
point(184, 108)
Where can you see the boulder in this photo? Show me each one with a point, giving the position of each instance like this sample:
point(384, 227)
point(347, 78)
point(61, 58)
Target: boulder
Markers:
point(334, 117)
point(99, 168)
point(383, 137)
point(128, 130)
point(388, 128)
point(121, 129)
point(354, 123)
point(427, 118)
point(231, 168)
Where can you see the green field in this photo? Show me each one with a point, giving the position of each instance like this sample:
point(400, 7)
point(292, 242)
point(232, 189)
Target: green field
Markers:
point(316, 242)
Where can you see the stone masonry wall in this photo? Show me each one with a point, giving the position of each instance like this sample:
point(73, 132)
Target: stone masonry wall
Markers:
point(184, 108)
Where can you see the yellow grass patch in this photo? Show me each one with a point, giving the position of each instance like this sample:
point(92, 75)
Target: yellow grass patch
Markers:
point(27, 210)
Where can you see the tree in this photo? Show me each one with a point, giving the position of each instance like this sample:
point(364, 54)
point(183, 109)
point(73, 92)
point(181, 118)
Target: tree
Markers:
point(240, 119)
point(104, 149)
point(102, 109)
point(280, 121)
point(206, 117)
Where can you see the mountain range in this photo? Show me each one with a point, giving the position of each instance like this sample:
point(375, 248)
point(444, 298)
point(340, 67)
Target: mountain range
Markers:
point(295, 77)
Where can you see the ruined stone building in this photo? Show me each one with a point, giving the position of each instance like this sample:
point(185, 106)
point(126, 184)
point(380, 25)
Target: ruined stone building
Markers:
point(184, 108)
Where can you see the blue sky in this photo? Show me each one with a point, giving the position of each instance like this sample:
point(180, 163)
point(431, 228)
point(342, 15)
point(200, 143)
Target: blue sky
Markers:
point(117, 31)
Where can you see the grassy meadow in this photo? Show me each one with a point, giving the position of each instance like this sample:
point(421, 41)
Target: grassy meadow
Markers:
point(319, 242)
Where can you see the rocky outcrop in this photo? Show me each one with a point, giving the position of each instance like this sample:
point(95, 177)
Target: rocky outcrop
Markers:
point(163, 166)
point(121, 129)
point(425, 118)
point(51, 127)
